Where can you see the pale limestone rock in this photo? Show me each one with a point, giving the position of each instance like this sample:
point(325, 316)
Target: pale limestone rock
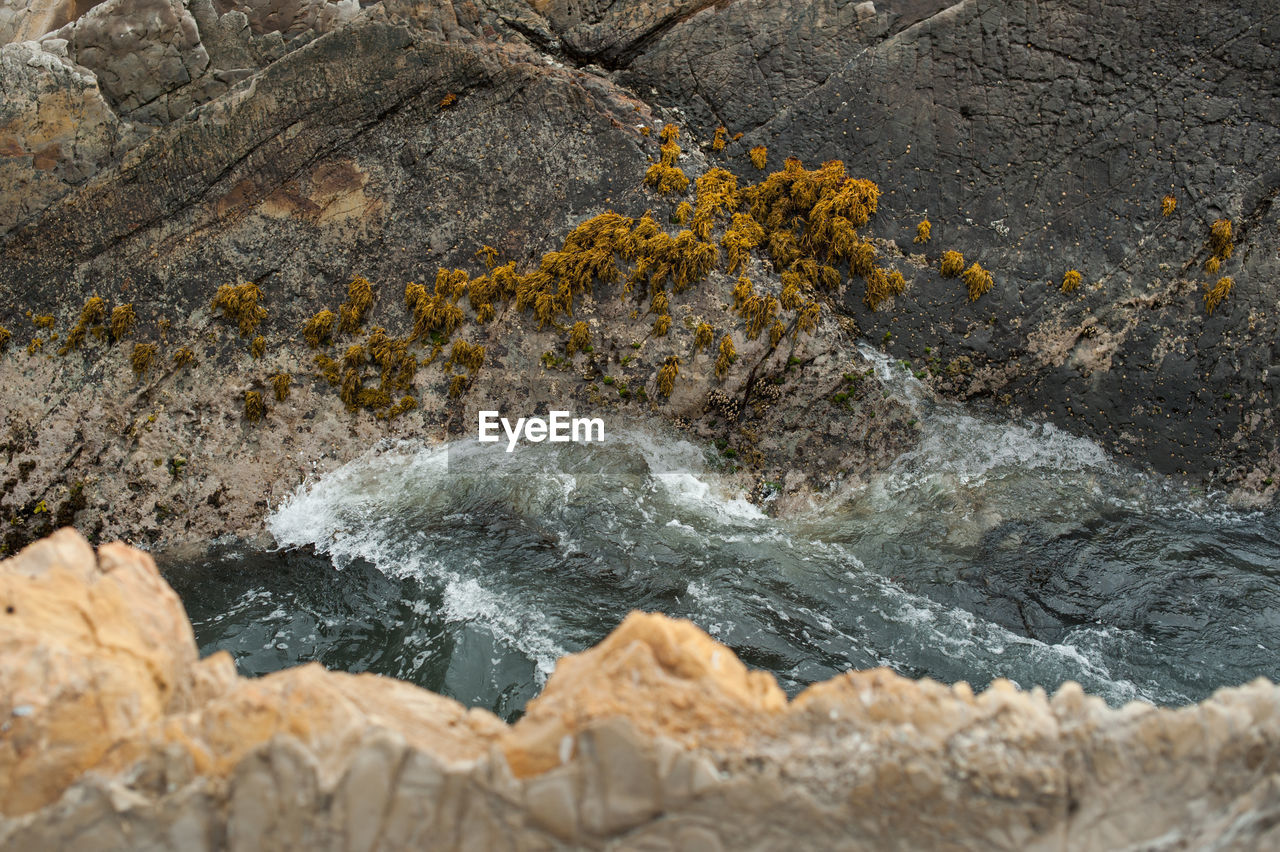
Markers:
point(292, 17)
point(115, 737)
point(25, 20)
point(147, 55)
point(56, 129)
point(711, 697)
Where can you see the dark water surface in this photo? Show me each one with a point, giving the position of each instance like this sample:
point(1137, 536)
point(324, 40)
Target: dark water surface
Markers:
point(993, 550)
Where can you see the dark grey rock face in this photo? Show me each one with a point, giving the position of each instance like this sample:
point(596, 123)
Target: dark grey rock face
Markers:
point(1038, 138)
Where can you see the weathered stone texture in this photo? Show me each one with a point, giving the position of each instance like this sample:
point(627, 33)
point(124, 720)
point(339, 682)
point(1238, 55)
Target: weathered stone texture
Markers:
point(274, 143)
point(115, 737)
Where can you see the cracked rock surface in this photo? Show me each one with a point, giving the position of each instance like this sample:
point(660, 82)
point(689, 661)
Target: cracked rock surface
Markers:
point(297, 145)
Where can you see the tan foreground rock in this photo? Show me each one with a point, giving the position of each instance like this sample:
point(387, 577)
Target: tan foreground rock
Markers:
point(114, 735)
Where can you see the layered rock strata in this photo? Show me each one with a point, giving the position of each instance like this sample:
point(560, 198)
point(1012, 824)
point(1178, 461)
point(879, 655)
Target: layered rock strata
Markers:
point(298, 145)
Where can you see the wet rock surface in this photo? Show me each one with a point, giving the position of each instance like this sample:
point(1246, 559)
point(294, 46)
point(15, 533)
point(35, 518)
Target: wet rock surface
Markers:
point(115, 736)
point(1039, 138)
point(298, 145)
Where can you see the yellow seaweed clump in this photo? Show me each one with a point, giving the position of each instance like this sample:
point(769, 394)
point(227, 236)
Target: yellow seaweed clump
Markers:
point(702, 336)
point(667, 375)
point(359, 300)
point(92, 314)
point(579, 338)
point(728, 354)
point(468, 356)
point(123, 319)
point(254, 408)
point(280, 384)
point(239, 304)
point(144, 355)
point(978, 281)
point(1071, 280)
point(317, 330)
point(1168, 204)
point(952, 264)
point(923, 231)
point(743, 234)
point(1220, 238)
point(1216, 294)
point(759, 156)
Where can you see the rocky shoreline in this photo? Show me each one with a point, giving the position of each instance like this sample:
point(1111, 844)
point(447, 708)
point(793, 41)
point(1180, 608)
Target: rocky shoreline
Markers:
point(299, 147)
point(117, 736)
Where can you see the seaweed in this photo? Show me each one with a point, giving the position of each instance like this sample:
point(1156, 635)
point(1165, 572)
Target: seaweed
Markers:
point(579, 338)
point(239, 304)
point(123, 319)
point(728, 354)
point(144, 355)
point(1220, 238)
point(703, 335)
point(1216, 294)
point(952, 264)
point(667, 375)
point(978, 281)
point(254, 408)
point(318, 330)
point(359, 300)
point(280, 383)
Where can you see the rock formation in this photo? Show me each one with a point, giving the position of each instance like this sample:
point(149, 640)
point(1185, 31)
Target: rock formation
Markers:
point(298, 145)
point(115, 736)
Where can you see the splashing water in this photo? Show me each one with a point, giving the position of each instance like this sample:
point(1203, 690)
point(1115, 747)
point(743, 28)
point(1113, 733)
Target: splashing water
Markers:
point(991, 550)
